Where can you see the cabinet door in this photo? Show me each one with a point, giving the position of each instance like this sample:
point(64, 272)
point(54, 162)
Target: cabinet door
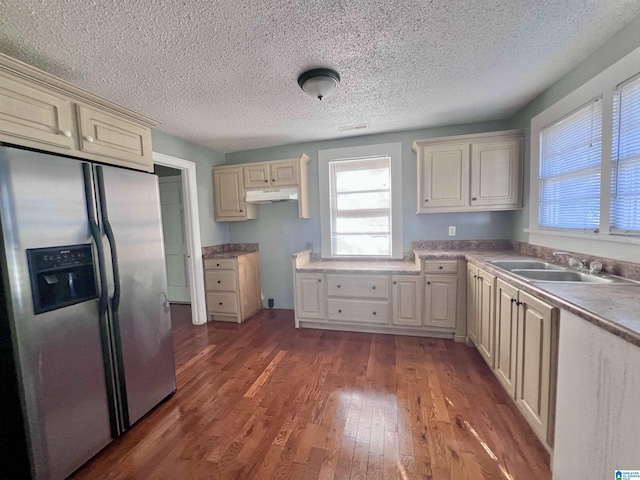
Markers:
point(472, 290)
point(440, 296)
point(229, 195)
point(485, 309)
point(284, 174)
point(310, 297)
point(506, 335)
point(495, 173)
point(107, 135)
point(535, 380)
point(256, 176)
point(444, 176)
point(406, 300)
point(31, 114)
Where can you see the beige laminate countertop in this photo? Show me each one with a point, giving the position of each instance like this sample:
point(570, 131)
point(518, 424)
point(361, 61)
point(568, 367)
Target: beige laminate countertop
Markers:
point(613, 307)
point(229, 254)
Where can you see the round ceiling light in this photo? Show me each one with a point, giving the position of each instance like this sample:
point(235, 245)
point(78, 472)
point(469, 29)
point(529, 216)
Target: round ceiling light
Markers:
point(319, 82)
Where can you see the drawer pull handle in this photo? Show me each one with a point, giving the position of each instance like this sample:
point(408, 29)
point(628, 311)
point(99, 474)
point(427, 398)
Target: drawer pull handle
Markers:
point(519, 303)
point(339, 311)
point(513, 300)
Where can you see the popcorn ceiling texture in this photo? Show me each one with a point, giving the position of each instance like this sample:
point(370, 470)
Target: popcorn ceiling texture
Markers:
point(223, 73)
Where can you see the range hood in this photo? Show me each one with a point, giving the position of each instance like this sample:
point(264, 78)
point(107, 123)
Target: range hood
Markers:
point(272, 195)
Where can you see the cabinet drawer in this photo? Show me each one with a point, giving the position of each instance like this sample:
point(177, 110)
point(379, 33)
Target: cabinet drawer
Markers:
point(361, 311)
point(223, 280)
point(222, 303)
point(219, 264)
point(362, 286)
point(447, 266)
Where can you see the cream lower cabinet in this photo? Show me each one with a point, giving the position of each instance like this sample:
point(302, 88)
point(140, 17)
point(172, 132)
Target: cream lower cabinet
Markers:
point(40, 111)
point(232, 286)
point(440, 294)
point(482, 310)
point(406, 300)
point(360, 299)
point(525, 356)
point(310, 296)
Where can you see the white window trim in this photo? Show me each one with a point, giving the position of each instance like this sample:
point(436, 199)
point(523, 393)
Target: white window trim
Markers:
point(603, 84)
point(392, 150)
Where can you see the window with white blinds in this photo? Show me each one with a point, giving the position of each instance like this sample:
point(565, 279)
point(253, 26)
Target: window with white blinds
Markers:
point(570, 170)
point(360, 206)
point(625, 157)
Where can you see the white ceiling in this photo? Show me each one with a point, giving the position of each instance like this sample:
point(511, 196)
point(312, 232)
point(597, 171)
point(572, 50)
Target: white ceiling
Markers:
point(223, 73)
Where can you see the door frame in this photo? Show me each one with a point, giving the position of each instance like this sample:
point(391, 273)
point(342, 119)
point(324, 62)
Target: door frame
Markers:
point(192, 232)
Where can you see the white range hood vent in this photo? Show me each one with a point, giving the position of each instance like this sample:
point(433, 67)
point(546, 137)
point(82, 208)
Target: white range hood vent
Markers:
point(272, 195)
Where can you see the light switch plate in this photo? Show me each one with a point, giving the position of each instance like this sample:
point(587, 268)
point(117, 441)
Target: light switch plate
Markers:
point(452, 231)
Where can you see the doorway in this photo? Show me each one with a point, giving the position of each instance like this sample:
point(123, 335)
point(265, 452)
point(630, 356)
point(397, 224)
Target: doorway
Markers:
point(183, 249)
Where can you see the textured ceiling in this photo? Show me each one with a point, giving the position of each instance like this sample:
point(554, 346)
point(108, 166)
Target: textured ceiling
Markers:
point(223, 73)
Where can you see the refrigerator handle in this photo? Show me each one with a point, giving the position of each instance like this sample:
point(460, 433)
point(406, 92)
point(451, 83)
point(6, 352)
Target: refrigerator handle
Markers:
point(115, 301)
point(108, 230)
point(95, 234)
point(103, 302)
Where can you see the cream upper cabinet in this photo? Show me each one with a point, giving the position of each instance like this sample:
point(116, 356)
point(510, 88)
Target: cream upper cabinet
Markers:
point(256, 176)
point(40, 111)
point(470, 172)
point(281, 173)
point(228, 190)
point(284, 174)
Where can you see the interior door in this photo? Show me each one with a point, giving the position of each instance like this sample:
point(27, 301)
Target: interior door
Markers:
point(175, 239)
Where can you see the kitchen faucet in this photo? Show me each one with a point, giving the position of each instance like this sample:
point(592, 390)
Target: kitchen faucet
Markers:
point(573, 260)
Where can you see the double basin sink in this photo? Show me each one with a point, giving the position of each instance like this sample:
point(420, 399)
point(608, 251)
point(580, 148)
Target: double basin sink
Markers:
point(541, 271)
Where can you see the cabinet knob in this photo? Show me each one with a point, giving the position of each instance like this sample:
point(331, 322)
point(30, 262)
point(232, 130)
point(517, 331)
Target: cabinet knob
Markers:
point(273, 179)
point(475, 276)
point(66, 133)
point(479, 277)
point(519, 303)
point(339, 311)
point(426, 200)
point(428, 283)
point(219, 281)
point(374, 287)
point(374, 313)
point(440, 267)
point(266, 181)
point(241, 210)
point(513, 300)
point(338, 286)
point(395, 283)
point(220, 303)
point(319, 279)
point(217, 264)
point(474, 199)
point(90, 139)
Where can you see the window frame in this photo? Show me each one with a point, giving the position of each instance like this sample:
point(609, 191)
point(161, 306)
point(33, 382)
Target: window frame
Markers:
point(602, 85)
point(391, 150)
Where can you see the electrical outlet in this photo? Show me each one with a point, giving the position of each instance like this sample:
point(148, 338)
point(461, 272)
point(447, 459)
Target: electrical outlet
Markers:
point(452, 231)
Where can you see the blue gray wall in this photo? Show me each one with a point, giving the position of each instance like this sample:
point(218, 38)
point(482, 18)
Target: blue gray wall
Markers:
point(280, 232)
point(211, 233)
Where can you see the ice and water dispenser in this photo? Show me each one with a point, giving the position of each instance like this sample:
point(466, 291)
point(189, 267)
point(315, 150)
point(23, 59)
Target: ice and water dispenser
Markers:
point(61, 276)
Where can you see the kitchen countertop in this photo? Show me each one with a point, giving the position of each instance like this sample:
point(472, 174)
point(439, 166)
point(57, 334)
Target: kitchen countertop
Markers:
point(228, 254)
point(615, 308)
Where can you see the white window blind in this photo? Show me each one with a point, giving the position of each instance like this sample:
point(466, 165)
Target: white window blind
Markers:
point(570, 154)
point(360, 206)
point(625, 174)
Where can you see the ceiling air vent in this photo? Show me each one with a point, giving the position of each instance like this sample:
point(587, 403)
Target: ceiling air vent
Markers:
point(348, 128)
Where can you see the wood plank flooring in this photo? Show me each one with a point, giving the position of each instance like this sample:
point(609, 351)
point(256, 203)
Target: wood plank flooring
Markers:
point(263, 400)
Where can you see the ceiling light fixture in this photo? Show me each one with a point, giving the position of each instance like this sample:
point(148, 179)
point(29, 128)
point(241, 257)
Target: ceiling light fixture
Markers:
point(319, 82)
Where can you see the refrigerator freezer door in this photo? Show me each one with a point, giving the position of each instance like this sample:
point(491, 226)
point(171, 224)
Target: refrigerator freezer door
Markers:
point(133, 205)
point(58, 353)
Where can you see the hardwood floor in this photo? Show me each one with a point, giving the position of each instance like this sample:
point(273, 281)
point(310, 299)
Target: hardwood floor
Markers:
point(263, 400)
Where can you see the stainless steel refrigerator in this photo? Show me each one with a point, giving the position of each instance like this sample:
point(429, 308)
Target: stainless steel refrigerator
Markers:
point(85, 334)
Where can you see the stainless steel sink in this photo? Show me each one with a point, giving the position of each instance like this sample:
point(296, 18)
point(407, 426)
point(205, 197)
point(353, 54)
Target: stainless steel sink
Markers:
point(562, 276)
point(511, 265)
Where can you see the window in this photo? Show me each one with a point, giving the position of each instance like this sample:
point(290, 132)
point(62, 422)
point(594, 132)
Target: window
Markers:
point(625, 157)
point(361, 201)
point(569, 175)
